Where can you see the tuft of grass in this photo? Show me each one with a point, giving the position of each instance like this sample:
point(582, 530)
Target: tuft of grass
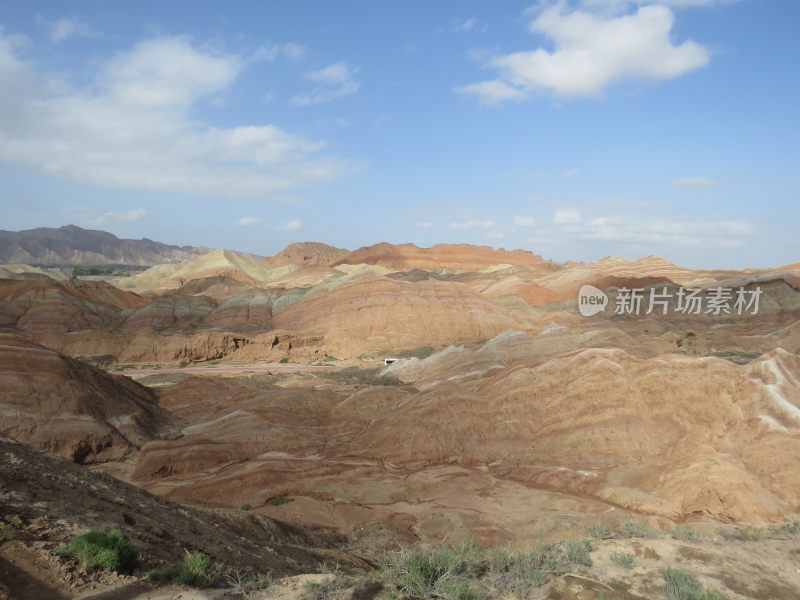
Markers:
point(329, 589)
point(279, 500)
point(106, 549)
point(196, 570)
point(600, 531)
point(419, 573)
point(284, 360)
point(633, 528)
point(621, 559)
point(532, 567)
point(680, 585)
point(790, 529)
point(183, 364)
point(245, 506)
point(246, 583)
point(685, 534)
point(739, 534)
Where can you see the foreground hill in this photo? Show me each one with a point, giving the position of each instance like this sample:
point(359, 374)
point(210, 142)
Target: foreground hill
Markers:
point(46, 499)
point(76, 246)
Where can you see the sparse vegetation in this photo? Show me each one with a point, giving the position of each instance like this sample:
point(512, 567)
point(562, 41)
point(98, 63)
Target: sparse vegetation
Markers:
point(278, 500)
point(246, 583)
point(519, 572)
point(419, 572)
point(739, 534)
point(183, 364)
point(329, 589)
point(420, 352)
point(681, 585)
point(600, 531)
point(685, 534)
point(284, 360)
point(622, 559)
point(108, 550)
point(196, 570)
point(245, 506)
point(356, 375)
point(790, 529)
point(633, 528)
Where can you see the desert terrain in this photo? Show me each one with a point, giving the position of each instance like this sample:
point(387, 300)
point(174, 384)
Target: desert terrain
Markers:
point(241, 406)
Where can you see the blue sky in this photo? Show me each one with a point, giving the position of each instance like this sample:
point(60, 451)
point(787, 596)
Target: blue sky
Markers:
point(575, 129)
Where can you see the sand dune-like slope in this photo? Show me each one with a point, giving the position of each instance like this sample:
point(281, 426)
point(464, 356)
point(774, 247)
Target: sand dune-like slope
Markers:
point(308, 253)
point(241, 267)
point(63, 306)
point(458, 257)
point(61, 405)
point(373, 313)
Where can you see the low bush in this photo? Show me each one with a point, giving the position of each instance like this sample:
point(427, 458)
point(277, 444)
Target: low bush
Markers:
point(600, 531)
point(519, 572)
point(279, 500)
point(685, 534)
point(680, 585)
point(739, 534)
point(419, 573)
point(633, 528)
point(621, 559)
point(109, 550)
point(196, 570)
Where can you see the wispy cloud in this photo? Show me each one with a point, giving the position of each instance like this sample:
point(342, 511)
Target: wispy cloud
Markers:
point(521, 221)
point(93, 217)
point(694, 182)
point(294, 225)
point(467, 25)
point(67, 27)
point(591, 51)
point(249, 222)
point(424, 225)
point(288, 50)
point(334, 81)
point(133, 126)
point(474, 224)
point(570, 173)
point(570, 225)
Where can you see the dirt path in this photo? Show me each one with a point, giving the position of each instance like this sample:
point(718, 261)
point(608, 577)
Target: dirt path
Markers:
point(230, 369)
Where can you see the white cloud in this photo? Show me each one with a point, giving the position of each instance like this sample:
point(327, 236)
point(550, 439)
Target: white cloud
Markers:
point(294, 225)
point(694, 182)
point(65, 28)
point(496, 235)
point(133, 126)
point(570, 173)
point(491, 93)
point(289, 50)
point(622, 5)
point(524, 221)
point(93, 217)
point(474, 224)
point(249, 222)
point(334, 81)
point(565, 216)
point(650, 231)
point(593, 51)
point(424, 225)
point(466, 25)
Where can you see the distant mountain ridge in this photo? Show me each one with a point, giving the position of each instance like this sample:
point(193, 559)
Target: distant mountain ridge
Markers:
point(77, 246)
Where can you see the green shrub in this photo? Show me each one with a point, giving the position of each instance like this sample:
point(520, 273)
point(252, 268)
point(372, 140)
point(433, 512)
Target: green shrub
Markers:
point(109, 550)
point(329, 589)
point(681, 585)
point(518, 572)
point(600, 531)
point(284, 360)
point(278, 500)
point(196, 570)
point(789, 529)
point(685, 534)
point(633, 528)
point(739, 534)
point(621, 559)
point(419, 573)
point(245, 506)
